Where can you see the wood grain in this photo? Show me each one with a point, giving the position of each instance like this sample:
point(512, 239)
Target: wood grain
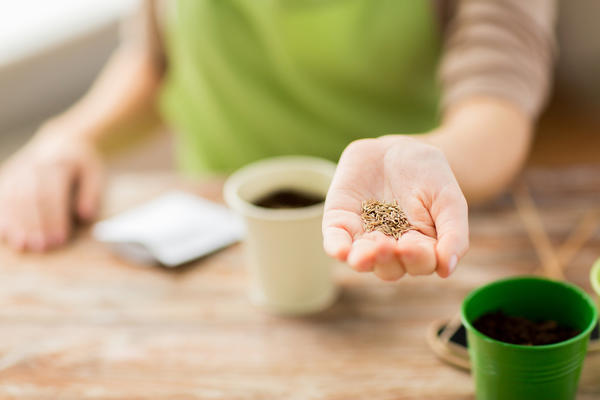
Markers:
point(81, 324)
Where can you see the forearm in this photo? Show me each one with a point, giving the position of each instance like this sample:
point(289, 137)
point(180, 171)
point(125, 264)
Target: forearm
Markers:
point(486, 142)
point(125, 88)
point(495, 73)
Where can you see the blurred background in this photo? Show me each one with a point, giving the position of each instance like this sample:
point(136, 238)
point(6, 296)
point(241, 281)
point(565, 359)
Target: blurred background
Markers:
point(50, 53)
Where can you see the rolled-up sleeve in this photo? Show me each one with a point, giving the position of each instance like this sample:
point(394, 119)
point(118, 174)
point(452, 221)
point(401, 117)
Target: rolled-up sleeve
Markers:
point(500, 48)
point(142, 30)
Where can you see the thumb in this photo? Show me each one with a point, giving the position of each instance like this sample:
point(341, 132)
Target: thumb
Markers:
point(452, 226)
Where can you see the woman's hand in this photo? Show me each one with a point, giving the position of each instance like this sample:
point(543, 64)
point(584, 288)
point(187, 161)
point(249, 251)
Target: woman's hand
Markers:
point(43, 186)
point(416, 175)
point(58, 175)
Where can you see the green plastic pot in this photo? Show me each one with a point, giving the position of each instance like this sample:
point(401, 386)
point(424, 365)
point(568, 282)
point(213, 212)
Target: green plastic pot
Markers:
point(506, 371)
point(595, 279)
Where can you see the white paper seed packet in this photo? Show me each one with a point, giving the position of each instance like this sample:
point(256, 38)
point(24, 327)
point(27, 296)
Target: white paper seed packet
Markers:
point(171, 230)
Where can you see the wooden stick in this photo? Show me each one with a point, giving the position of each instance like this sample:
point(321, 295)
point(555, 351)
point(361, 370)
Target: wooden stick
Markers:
point(579, 236)
point(447, 351)
point(451, 327)
point(527, 210)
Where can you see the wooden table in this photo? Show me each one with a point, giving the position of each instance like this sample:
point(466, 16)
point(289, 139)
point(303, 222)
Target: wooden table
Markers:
point(81, 324)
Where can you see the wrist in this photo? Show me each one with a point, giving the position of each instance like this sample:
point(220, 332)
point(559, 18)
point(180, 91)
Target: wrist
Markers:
point(57, 129)
point(483, 113)
point(73, 129)
point(432, 138)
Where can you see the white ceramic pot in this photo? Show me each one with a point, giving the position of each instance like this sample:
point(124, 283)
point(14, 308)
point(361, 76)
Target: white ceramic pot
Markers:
point(288, 269)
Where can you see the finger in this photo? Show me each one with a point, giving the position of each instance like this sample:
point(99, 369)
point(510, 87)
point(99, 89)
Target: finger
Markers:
point(389, 268)
point(3, 214)
point(2, 227)
point(452, 225)
point(55, 206)
point(16, 239)
point(89, 189)
point(337, 242)
point(370, 249)
point(419, 216)
point(389, 272)
point(362, 255)
point(4, 224)
point(417, 253)
point(14, 233)
point(339, 228)
point(28, 214)
point(7, 217)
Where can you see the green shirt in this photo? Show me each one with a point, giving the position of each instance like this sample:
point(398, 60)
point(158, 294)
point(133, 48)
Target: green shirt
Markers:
point(249, 79)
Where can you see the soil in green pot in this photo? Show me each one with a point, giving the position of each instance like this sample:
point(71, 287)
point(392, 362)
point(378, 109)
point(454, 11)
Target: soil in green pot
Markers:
point(523, 331)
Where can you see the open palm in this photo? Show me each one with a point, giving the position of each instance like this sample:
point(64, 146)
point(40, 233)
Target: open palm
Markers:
point(419, 178)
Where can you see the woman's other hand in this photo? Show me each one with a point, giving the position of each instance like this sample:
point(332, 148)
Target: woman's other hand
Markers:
point(54, 179)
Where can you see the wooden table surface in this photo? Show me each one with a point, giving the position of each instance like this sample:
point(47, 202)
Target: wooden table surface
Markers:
point(81, 324)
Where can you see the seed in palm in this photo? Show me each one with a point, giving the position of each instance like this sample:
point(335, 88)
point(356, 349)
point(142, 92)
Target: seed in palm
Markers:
point(387, 218)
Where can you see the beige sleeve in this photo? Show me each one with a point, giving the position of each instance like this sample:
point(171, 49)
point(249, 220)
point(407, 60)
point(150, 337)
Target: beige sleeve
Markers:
point(143, 29)
point(502, 48)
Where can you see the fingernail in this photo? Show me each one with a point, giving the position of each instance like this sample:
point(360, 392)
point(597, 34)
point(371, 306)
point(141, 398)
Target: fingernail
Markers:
point(452, 263)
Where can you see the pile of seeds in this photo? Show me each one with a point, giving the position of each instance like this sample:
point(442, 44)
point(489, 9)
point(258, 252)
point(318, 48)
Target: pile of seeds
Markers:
point(387, 218)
